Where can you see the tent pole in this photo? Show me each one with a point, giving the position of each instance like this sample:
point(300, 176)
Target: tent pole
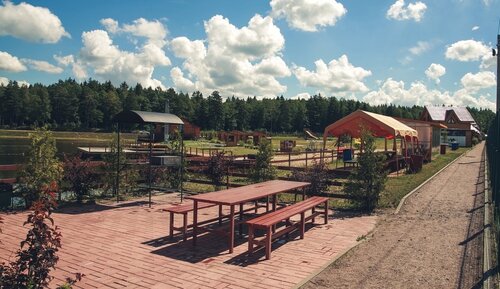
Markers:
point(338, 150)
point(117, 180)
point(385, 144)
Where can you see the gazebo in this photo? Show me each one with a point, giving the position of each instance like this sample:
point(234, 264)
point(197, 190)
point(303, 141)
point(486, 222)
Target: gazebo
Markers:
point(380, 126)
point(146, 117)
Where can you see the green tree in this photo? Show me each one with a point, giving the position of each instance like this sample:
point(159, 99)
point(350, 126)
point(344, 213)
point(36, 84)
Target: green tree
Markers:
point(263, 169)
point(367, 182)
point(42, 167)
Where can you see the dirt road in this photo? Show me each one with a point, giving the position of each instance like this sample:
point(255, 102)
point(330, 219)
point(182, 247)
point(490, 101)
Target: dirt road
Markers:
point(435, 241)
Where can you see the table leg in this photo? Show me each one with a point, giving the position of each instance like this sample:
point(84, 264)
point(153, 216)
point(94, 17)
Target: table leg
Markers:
point(220, 215)
point(231, 229)
point(195, 221)
point(267, 204)
point(184, 227)
point(240, 227)
point(303, 194)
point(326, 212)
point(171, 229)
point(250, 240)
point(302, 225)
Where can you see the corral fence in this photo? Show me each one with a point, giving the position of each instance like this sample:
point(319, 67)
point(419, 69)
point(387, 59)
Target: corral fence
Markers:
point(493, 156)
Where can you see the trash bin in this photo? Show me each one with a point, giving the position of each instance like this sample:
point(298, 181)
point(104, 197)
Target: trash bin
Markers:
point(454, 146)
point(443, 149)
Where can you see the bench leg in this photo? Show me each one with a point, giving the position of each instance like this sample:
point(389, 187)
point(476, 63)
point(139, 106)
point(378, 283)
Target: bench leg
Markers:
point(302, 225)
point(185, 227)
point(256, 206)
point(171, 227)
point(250, 240)
point(326, 212)
point(288, 224)
point(269, 235)
point(220, 215)
point(313, 211)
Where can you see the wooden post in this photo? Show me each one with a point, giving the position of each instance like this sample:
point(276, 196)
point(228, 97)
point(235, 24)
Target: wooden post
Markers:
point(289, 159)
point(306, 159)
point(385, 144)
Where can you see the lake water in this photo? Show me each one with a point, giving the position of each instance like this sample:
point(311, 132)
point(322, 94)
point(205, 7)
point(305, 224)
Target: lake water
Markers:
point(13, 150)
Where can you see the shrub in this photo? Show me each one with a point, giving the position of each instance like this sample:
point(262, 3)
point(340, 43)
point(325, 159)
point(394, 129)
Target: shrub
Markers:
point(79, 175)
point(475, 141)
point(317, 175)
point(42, 167)
point(217, 169)
point(367, 182)
point(263, 169)
point(38, 253)
point(126, 179)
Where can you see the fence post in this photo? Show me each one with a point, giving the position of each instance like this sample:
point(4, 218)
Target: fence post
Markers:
point(289, 159)
point(306, 159)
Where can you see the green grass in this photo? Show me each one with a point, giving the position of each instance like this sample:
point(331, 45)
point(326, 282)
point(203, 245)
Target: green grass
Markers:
point(397, 187)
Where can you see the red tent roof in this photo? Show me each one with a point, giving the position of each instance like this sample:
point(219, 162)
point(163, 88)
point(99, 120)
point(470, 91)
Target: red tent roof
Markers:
point(379, 125)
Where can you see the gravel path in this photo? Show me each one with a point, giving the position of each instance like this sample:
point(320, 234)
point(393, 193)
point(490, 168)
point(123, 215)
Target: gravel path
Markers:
point(434, 242)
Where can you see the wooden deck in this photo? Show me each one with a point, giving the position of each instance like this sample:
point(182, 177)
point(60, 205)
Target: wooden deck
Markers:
point(126, 246)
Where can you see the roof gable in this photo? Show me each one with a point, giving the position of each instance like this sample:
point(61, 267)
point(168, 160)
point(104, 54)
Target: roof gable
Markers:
point(440, 113)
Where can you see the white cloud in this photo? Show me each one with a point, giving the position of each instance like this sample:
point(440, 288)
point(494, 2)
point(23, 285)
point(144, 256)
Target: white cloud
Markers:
point(31, 23)
point(480, 80)
point(42, 66)
point(308, 15)
point(395, 92)
point(64, 60)
point(421, 47)
point(234, 61)
point(110, 25)
point(413, 11)
point(4, 81)
point(303, 95)
point(488, 62)
point(467, 50)
point(110, 63)
point(435, 71)
point(154, 31)
point(338, 77)
point(475, 28)
point(10, 63)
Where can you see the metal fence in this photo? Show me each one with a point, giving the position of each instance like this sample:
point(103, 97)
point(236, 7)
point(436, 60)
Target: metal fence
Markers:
point(493, 154)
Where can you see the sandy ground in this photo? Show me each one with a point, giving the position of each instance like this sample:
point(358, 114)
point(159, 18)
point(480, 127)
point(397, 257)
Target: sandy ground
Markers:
point(434, 242)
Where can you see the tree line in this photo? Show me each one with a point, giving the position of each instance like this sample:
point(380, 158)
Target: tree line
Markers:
point(90, 105)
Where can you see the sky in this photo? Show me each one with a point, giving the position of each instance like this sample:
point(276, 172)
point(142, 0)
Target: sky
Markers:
point(381, 52)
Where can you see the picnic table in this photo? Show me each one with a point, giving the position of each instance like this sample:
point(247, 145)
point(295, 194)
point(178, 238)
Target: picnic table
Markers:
point(238, 197)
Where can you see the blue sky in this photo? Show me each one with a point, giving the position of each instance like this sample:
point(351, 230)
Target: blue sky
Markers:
point(385, 51)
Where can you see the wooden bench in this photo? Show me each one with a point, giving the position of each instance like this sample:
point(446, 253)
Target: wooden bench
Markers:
point(268, 222)
point(184, 210)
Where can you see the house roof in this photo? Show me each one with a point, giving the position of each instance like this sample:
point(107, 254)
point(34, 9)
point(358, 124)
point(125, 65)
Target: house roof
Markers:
point(135, 116)
point(438, 113)
point(379, 125)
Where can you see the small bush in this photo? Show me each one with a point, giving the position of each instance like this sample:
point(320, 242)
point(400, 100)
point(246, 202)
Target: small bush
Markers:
point(38, 253)
point(263, 169)
point(79, 175)
point(317, 175)
point(367, 182)
point(42, 167)
point(217, 169)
